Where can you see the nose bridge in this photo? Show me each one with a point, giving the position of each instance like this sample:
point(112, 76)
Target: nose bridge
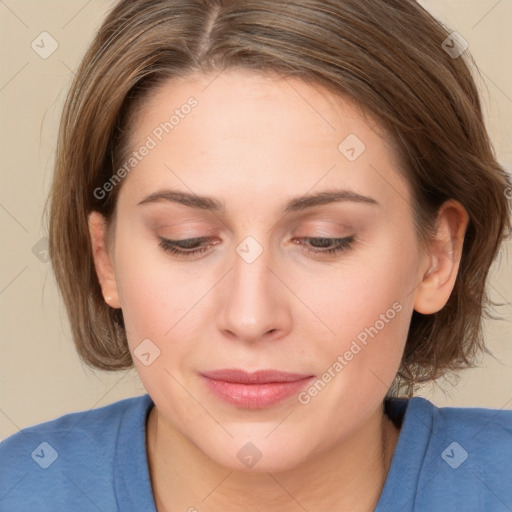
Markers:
point(251, 275)
point(253, 304)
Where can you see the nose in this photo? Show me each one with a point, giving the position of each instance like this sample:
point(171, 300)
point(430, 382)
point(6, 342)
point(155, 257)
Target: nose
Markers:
point(254, 300)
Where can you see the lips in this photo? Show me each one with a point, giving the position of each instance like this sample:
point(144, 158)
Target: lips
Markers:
point(258, 377)
point(256, 390)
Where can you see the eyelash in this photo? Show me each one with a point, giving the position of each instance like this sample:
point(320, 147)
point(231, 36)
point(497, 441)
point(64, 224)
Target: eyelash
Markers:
point(342, 245)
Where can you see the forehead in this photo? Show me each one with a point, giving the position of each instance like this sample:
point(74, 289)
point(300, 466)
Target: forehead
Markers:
point(234, 94)
point(262, 134)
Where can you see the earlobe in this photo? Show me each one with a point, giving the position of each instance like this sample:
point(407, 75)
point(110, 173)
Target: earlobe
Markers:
point(102, 260)
point(437, 281)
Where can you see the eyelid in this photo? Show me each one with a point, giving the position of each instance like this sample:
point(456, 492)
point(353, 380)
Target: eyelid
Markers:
point(326, 222)
point(338, 246)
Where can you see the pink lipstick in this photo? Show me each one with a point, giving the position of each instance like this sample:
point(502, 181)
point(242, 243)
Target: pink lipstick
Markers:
point(256, 390)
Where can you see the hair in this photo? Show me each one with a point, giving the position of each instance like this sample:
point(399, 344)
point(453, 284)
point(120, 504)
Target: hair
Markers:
point(386, 56)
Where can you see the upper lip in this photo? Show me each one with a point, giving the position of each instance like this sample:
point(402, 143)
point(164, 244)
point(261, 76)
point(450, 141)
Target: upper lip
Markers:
point(258, 377)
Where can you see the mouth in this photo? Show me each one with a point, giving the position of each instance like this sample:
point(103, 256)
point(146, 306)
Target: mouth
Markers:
point(257, 390)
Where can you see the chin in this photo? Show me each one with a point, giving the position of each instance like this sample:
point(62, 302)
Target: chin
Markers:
point(258, 454)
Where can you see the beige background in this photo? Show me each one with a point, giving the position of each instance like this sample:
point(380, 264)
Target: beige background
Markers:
point(41, 376)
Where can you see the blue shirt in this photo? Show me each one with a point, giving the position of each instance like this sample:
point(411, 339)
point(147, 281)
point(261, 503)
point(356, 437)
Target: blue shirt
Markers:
point(446, 459)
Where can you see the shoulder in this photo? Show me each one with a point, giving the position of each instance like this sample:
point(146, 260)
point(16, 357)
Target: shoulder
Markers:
point(64, 460)
point(487, 431)
point(94, 428)
point(470, 454)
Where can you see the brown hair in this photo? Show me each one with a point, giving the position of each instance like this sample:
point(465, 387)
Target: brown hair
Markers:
point(387, 56)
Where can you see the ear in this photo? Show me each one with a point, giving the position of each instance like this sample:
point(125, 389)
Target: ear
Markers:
point(102, 259)
point(439, 273)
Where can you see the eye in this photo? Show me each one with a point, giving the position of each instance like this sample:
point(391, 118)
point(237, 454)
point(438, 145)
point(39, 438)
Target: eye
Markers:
point(183, 247)
point(338, 245)
point(194, 246)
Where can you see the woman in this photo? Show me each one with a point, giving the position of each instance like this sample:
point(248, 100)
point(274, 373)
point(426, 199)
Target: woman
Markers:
point(282, 214)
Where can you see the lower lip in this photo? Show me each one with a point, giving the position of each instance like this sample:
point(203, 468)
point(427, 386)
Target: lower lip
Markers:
point(255, 396)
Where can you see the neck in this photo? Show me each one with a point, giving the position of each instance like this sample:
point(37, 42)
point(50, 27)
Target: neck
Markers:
point(349, 476)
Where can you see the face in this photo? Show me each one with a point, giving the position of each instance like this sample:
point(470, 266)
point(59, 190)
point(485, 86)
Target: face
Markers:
point(268, 279)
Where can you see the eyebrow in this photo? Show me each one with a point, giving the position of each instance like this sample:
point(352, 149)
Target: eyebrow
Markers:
point(294, 205)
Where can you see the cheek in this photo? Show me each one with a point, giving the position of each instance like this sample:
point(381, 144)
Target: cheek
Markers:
point(367, 311)
point(152, 296)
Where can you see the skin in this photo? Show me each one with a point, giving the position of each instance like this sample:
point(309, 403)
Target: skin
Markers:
point(254, 142)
